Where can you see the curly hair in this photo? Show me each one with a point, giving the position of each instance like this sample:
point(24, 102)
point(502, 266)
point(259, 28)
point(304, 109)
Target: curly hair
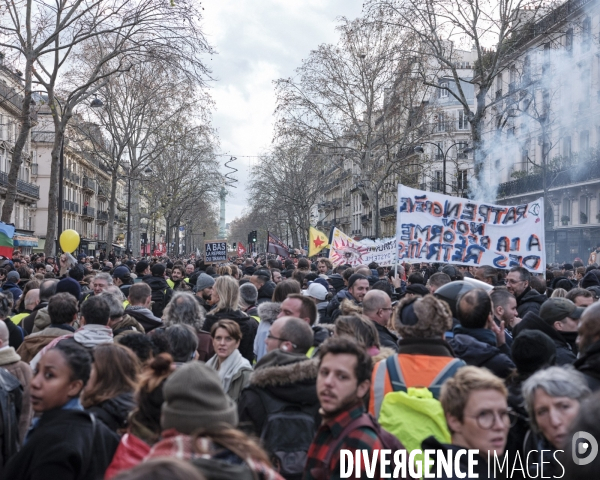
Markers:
point(434, 317)
point(183, 309)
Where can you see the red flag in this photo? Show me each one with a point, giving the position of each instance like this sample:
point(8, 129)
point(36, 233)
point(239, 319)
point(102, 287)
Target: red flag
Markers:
point(241, 251)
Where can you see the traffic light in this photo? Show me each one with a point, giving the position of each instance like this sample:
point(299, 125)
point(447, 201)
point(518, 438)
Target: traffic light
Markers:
point(254, 236)
point(234, 245)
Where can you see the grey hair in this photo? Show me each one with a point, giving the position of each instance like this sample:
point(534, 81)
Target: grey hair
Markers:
point(104, 276)
point(183, 309)
point(183, 341)
point(115, 303)
point(116, 291)
point(562, 381)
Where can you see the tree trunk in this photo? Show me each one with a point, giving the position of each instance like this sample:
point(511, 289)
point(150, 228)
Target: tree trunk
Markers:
point(53, 191)
point(112, 207)
point(17, 156)
point(377, 230)
point(135, 218)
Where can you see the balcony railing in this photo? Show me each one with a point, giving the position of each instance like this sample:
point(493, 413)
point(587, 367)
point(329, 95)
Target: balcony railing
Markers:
point(89, 184)
point(69, 206)
point(387, 211)
point(102, 216)
point(23, 187)
point(88, 212)
point(366, 218)
point(576, 173)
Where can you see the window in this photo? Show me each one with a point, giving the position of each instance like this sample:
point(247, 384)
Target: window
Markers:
point(463, 123)
point(583, 210)
point(441, 126)
point(438, 182)
point(568, 41)
point(584, 143)
point(566, 148)
point(546, 64)
point(443, 91)
point(462, 180)
point(586, 34)
point(566, 211)
point(524, 160)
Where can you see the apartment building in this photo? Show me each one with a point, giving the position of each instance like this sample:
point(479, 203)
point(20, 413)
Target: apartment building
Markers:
point(548, 102)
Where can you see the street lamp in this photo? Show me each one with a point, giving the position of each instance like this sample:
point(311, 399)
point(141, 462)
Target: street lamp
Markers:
point(419, 149)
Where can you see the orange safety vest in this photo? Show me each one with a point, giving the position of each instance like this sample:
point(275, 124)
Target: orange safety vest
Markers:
point(417, 371)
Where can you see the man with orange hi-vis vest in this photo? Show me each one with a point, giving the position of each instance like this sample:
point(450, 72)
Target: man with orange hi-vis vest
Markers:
point(424, 358)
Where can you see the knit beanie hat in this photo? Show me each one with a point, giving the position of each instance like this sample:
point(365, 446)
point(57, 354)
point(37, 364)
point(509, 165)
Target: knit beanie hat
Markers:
point(194, 398)
point(204, 281)
point(13, 277)
point(69, 285)
point(158, 269)
point(532, 350)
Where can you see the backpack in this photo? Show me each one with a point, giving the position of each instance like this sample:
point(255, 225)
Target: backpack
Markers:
point(287, 433)
point(413, 414)
point(160, 298)
point(389, 442)
point(11, 402)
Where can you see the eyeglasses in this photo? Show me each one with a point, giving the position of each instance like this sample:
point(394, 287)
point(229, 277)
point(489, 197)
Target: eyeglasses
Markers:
point(487, 418)
point(280, 339)
point(386, 308)
point(514, 282)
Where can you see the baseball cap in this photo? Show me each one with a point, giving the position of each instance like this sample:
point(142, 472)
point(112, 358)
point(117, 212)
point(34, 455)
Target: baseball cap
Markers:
point(121, 272)
point(558, 308)
point(316, 290)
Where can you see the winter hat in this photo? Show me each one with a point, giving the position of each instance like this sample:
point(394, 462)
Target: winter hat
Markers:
point(13, 277)
point(336, 281)
point(248, 293)
point(316, 290)
point(194, 398)
point(323, 282)
point(141, 266)
point(532, 350)
point(590, 280)
point(556, 309)
point(204, 281)
point(422, 317)
point(69, 285)
point(81, 256)
point(158, 270)
point(268, 311)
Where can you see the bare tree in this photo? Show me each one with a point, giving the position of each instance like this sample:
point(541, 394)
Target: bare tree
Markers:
point(360, 98)
point(493, 30)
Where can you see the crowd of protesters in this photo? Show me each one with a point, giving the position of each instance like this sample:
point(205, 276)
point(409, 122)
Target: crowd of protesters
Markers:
point(268, 368)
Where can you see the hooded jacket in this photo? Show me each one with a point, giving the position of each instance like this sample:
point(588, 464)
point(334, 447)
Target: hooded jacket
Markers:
point(289, 377)
point(265, 293)
point(144, 316)
point(483, 354)
point(41, 320)
point(267, 313)
point(247, 324)
point(28, 322)
point(11, 362)
point(589, 364)
point(90, 336)
point(333, 309)
point(161, 289)
point(114, 411)
point(14, 289)
point(530, 301)
point(565, 351)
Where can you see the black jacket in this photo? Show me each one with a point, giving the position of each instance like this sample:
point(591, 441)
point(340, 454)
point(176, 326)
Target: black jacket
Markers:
point(387, 338)
point(589, 364)
point(15, 334)
point(565, 352)
point(28, 322)
point(145, 317)
point(114, 411)
point(333, 309)
point(481, 354)
point(480, 469)
point(248, 326)
point(65, 444)
point(160, 289)
point(265, 293)
point(290, 377)
point(11, 403)
point(530, 301)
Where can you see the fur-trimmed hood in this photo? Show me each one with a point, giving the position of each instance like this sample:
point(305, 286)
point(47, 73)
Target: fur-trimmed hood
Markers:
point(279, 368)
point(268, 311)
point(384, 352)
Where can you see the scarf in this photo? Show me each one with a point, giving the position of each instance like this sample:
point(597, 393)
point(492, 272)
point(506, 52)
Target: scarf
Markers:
point(232, 365)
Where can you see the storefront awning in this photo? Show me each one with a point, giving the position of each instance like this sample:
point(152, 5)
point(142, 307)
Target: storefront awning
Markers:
point(25, 241)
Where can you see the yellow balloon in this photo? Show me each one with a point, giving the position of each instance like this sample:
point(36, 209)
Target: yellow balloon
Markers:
point(69, 241)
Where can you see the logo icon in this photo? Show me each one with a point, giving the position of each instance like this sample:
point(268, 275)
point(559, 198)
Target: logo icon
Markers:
point(585, 448)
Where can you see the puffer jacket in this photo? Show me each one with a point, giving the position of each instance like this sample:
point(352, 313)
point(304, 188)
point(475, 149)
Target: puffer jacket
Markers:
point(333, 309)
point(114, 411)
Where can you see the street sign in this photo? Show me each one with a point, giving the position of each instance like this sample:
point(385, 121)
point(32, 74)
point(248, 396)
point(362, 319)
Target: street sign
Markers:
point(215, 251)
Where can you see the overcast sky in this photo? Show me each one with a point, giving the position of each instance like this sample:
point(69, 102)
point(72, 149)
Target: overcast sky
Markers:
point(259, 41)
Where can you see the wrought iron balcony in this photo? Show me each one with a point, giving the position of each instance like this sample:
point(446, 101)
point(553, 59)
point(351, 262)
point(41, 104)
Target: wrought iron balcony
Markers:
point(89, 184)
point(102, 216)
point(387, 211)
point(88, 212)
point(26, 188)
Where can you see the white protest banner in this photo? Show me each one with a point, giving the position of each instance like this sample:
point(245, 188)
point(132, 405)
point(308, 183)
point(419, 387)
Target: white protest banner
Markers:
point(437, 228)
point(346, 250)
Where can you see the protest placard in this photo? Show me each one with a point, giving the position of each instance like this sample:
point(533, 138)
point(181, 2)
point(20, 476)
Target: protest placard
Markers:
point(215, 251)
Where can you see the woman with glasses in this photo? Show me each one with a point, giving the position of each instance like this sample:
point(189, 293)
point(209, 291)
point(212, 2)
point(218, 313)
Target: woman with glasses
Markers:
point(233, 369)
point(552, 397)
point(478, 418)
